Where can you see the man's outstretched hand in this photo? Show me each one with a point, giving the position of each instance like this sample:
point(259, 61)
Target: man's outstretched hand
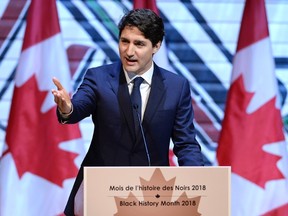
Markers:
point(61, 97)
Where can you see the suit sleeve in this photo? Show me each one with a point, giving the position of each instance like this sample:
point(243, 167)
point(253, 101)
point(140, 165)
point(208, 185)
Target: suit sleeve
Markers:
point(186, 147)
point(84, 100)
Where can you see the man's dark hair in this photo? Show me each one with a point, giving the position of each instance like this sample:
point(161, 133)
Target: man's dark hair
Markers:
point(147, 21)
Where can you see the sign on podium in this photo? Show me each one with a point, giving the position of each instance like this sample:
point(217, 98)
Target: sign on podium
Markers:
point(157, 191)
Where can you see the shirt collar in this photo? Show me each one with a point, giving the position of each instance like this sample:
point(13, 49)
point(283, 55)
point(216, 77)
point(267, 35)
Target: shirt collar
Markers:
point(147, 76)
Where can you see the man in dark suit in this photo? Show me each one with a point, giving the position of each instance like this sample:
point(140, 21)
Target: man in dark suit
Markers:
point(127, 133)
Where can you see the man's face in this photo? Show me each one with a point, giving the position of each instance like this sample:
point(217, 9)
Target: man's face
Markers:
point(135, 50)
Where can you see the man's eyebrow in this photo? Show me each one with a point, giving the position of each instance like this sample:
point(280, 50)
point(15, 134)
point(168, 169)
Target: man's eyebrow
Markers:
point(124, 38)
point(140, 41)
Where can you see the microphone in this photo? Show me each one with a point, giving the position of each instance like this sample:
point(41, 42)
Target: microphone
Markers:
point(135, 107)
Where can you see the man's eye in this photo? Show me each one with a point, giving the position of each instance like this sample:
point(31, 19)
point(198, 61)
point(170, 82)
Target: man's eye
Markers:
point(140, 44)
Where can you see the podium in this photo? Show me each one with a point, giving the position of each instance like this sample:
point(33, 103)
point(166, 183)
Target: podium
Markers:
point(149, 191)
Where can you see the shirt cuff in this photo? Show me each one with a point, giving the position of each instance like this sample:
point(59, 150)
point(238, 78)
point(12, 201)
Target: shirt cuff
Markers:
point(66, 115)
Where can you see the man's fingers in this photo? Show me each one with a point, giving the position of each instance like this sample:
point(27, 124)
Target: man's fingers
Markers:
point(61, 98)
point(57, 83)
point(56, 96)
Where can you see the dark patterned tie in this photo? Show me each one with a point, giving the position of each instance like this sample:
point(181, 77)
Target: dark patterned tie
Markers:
point(136, 103)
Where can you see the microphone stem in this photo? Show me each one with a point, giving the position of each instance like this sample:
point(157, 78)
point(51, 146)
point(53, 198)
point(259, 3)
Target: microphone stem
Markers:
point(144, 139)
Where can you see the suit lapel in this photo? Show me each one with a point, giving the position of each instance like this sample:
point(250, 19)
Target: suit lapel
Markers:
point(156, 94)
point(119, 86)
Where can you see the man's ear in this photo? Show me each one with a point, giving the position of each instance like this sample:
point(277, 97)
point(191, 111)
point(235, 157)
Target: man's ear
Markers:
point(157, 47)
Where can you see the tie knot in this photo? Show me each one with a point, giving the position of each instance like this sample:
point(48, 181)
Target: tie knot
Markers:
point(138, 81)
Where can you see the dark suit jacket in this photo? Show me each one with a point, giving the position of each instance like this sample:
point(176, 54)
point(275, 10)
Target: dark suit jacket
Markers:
point(104, 95)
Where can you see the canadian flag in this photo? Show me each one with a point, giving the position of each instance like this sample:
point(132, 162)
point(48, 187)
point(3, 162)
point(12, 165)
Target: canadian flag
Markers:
point(160, 58)
point(42, 157)
point(252, 139)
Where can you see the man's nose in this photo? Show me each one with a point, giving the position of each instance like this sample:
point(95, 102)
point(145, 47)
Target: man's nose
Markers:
point(130, 50)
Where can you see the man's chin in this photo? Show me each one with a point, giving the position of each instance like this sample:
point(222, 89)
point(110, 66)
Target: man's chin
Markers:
point(131, 69)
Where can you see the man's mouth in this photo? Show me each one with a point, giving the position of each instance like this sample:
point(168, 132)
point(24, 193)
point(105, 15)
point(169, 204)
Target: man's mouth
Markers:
point(130, 61)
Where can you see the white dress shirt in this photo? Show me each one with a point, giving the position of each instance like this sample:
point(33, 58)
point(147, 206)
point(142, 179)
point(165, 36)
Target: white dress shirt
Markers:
point(145, 86)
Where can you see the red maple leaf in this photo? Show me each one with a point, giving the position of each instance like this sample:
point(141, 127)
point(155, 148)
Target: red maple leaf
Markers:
point(282, 210)
point(33, 137)
point(244, 135)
